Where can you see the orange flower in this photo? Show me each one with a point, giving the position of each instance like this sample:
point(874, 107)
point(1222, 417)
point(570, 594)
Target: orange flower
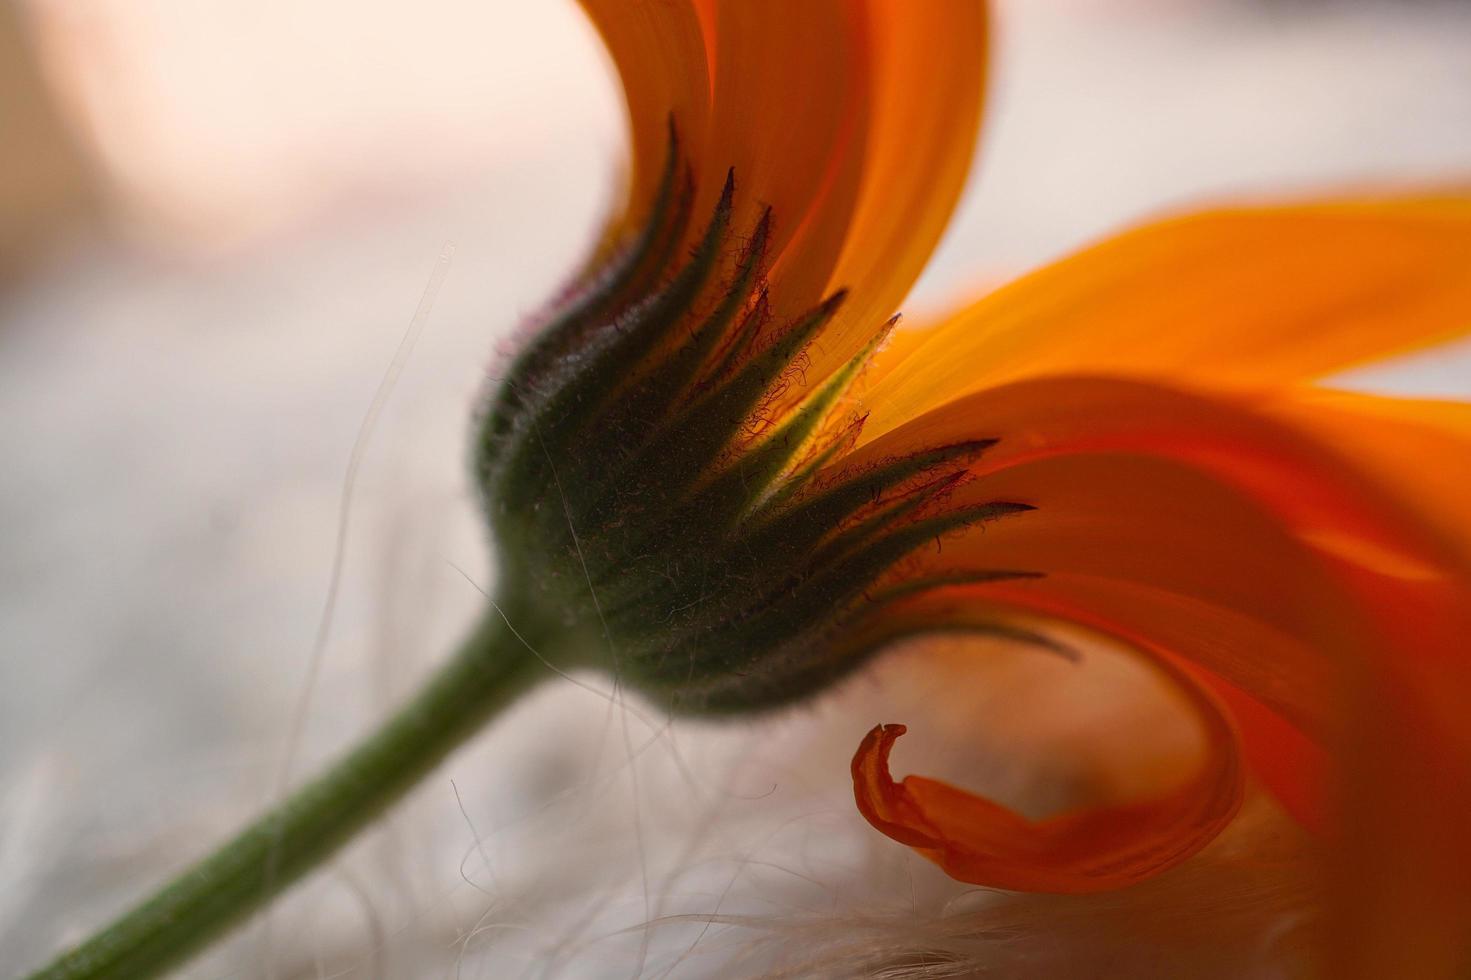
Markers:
point(706, 472)
point(1144, 415)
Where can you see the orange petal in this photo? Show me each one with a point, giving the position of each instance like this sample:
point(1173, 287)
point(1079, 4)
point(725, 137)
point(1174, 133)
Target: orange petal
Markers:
point(792, 103)
point(985, 843)
point(780, 92)
point(659, 51)
point(928, 65)
point(1172, 555)
point(1291, 551)
point(1208, 569)
point(1403, 881)
point(1419, 451)
point(855, 120)
point(1249, 296)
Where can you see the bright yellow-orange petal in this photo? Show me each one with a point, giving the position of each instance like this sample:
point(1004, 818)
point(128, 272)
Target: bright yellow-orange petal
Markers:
point(659, 50)
point(928, 65)
point(1105, 847)
point(1250, 296)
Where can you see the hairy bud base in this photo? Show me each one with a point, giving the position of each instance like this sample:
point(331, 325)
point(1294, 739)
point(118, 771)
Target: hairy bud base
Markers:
point(634, 483)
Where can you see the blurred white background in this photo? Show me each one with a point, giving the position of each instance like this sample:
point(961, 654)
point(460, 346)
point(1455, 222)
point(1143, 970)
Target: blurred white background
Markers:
point(232, 209)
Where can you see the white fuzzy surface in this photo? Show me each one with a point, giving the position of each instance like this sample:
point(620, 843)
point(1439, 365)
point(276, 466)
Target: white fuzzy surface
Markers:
point(175, 434)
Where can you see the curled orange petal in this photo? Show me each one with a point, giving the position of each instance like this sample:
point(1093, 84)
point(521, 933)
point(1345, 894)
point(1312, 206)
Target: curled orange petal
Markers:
point(1297, 564)
point(1088, 850)
point(1307, 558)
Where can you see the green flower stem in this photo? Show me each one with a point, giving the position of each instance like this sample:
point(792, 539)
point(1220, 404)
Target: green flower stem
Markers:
point(490, 670)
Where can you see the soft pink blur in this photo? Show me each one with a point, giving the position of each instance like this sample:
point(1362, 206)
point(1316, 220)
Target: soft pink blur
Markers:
point(224, 121)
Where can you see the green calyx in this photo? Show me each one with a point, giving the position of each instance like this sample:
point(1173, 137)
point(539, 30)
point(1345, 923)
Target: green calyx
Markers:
point(637, 495)
point(655, 513)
